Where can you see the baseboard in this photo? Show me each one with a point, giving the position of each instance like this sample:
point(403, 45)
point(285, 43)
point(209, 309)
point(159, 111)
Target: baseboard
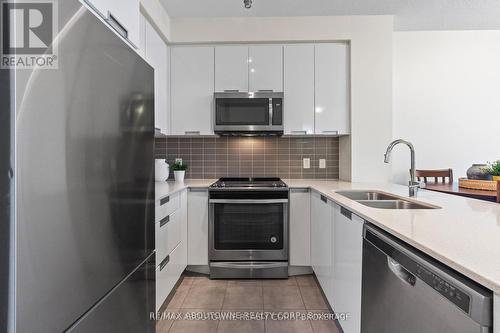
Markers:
point(299, 270)
point(201, 269)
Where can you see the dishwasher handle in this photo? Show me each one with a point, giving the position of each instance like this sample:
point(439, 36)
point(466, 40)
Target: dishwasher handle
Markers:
point(401, 272)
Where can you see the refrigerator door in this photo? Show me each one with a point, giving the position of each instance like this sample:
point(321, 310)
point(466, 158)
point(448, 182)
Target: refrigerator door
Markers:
point(127, 308)
point(85, 191)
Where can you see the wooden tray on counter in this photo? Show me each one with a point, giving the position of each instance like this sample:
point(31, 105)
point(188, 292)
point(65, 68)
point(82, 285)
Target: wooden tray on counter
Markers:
point(485, 185)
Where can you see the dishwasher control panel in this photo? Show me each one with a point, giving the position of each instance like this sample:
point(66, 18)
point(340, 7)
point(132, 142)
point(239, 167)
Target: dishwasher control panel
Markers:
point(452, 293)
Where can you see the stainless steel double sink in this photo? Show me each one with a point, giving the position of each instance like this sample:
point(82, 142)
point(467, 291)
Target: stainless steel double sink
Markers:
point(383, 200)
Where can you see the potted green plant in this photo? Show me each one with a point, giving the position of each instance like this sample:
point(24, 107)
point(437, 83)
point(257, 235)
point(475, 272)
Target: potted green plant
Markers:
point(494, 170)
point(179, 169)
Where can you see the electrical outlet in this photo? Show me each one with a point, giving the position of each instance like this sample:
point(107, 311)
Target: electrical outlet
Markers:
point(306, 163)
point(178, 160)
point(322, 163)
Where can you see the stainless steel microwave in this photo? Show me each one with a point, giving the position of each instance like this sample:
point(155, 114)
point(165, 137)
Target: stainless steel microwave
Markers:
point(248, 113)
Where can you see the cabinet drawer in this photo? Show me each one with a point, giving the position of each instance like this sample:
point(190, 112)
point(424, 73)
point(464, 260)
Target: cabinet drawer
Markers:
point(166, 206)
point(168, 271)
point(168, 234)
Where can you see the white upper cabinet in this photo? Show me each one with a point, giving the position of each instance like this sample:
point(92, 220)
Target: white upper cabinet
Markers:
point(192, 88)
point(124, 13)
point(299, 88)
point(332, 88)
point(142, 36)
point(231, 68)
point(156, 53)
point(265, 64)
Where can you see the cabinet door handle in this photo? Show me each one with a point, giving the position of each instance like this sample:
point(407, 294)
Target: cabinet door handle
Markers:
point(299, 132)
point(192, 132)
point(164, 262)
point(346, 213)
point(324, 199)
point(265, 90)
point(164, 201)
point(113, 22)
point(231, 90)
point(164, 220)
point(331, 132)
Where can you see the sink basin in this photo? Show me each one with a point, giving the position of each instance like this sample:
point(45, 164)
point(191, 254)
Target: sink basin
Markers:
point(367, 195)
point(383, 200)
point(394, 204)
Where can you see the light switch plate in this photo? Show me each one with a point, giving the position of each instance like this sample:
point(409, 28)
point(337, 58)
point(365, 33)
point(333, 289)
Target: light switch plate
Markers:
point(322, 163)
point(178, 160)
point(306, 163)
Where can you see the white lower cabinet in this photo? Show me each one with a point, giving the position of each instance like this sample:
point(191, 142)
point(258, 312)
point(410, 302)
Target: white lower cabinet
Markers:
point(300, 227)
point(336, 257)
point(170, 243)
point(167, 235)
point(197, 227)
point(321, 241)
point(347, 253)
point(168, 272)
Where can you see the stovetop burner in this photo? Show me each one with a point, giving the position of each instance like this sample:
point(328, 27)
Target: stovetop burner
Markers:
point(240, 182)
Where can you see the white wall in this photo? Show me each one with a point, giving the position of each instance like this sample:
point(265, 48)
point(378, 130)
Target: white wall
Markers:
point(157, 16)
point(446, 99)
point(371, 70)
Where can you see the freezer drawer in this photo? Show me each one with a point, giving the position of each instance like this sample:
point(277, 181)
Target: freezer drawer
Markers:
point(127, 308)
point(406, 291)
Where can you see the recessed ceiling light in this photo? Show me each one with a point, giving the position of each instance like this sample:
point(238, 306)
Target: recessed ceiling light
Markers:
point(248, 4)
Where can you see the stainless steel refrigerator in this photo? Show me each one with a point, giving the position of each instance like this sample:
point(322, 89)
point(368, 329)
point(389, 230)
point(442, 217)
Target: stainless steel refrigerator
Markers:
point(84, 202)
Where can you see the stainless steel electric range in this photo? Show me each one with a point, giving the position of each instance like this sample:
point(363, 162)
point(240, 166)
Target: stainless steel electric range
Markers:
point(248, 228)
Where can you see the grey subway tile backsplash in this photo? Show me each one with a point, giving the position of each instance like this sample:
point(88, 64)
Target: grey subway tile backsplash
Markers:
point(252, 156)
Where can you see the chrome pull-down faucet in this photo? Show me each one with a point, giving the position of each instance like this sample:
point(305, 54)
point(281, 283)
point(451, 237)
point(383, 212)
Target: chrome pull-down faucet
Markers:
point(413, 185)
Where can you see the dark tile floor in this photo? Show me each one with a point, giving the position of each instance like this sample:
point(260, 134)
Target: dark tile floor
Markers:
point(199, 294)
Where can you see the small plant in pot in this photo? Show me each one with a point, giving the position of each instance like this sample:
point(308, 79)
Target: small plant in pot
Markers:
point(179, 169)
point(494, 170)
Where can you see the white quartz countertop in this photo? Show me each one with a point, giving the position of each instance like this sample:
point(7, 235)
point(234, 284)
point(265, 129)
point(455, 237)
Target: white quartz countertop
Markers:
point(463, 233)
point(163, 189)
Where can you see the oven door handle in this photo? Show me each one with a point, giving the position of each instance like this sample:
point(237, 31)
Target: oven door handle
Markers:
point(248, 201)
point(249, 264)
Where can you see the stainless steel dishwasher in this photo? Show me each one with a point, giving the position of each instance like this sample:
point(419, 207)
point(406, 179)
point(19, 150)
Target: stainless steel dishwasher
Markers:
point(405, 290)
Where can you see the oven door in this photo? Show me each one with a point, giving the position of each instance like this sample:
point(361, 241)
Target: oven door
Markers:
point(245, 230)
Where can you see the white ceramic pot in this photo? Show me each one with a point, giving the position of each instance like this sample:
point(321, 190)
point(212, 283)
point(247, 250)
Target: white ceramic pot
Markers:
point(162, 170)
point(179, 175)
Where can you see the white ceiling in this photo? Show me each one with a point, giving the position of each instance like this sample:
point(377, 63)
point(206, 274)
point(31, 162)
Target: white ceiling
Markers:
point(408, 14)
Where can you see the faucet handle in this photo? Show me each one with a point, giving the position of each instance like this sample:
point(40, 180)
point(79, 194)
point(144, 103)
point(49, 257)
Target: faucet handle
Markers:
point(416, 184)
point(413, 188)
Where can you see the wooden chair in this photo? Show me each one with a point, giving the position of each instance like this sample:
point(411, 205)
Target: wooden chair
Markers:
point(436, 174)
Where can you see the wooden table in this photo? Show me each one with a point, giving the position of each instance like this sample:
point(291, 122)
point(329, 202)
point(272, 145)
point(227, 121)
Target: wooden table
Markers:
point(465, 192)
